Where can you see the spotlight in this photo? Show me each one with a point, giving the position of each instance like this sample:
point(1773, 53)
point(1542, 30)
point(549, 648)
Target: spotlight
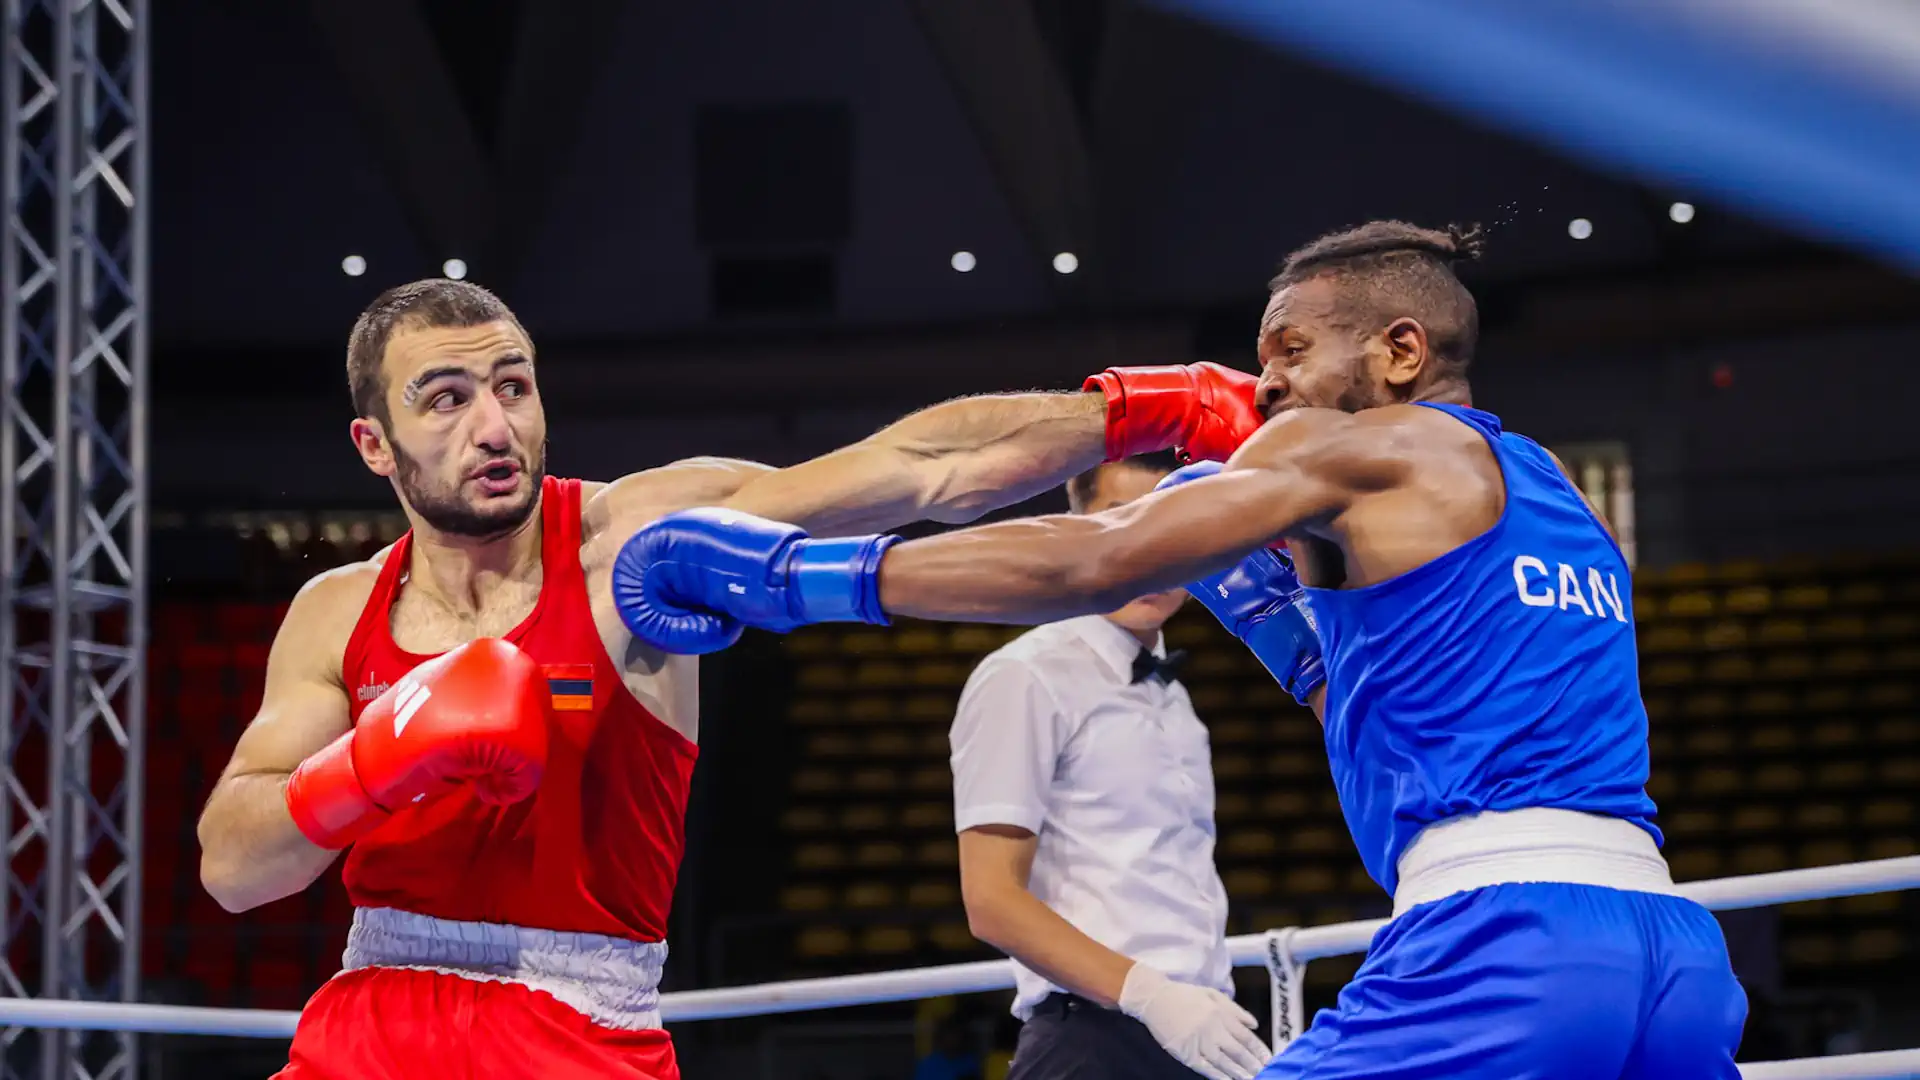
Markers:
point(1579, 228)
point(353, 266)
point(454, 268)
point(963, 261)
point(1680, 212)
point(1066, 263)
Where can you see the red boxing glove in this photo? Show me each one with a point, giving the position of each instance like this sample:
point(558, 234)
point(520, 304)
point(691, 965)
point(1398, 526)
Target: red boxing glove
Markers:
point(1205, 410)
point(474, 715)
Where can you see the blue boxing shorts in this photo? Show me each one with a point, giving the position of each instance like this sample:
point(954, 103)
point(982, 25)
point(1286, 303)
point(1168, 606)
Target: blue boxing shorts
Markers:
point(1537, 981)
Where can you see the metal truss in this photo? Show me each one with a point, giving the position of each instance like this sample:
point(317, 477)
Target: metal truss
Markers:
point(72, 518)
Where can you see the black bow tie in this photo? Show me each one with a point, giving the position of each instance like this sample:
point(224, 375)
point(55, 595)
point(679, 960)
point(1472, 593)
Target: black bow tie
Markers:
point(1167, 670)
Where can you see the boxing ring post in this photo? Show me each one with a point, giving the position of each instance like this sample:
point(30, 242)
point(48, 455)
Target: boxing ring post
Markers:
point(72, 514)
point(1302, 944)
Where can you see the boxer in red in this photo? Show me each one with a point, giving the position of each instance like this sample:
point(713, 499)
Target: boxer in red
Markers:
point(468, 717)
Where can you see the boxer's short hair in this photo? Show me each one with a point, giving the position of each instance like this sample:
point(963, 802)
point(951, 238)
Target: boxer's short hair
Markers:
point(1390, 269)
point(431, 303)
point(1082, 488)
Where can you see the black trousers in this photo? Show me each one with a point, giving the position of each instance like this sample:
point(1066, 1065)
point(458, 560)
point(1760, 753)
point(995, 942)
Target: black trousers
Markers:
point(1070, 1038)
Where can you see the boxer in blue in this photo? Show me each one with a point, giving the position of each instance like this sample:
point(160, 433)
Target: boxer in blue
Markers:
point(1466, 635)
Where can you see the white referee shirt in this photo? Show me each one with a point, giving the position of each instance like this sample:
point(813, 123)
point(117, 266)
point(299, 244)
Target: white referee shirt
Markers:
point(1116, 780)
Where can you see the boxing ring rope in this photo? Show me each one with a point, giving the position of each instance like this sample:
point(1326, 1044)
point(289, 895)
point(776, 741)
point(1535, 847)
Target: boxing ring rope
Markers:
point(1284, 952)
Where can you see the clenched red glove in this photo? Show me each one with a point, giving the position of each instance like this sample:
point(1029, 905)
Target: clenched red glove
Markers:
point(475, 715)
point(1204, 410)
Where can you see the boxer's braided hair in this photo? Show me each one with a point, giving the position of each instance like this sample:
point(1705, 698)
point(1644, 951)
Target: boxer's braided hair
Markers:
point(431, 303)
point(1389, 269)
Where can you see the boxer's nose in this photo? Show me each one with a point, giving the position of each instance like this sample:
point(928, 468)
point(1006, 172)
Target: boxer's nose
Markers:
point(1269, 392)
point(490, 429)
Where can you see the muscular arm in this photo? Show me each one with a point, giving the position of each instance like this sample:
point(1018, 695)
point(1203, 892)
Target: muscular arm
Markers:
point(250, 850)
point(1300, 470)
point(996, 862)
point(951, 462)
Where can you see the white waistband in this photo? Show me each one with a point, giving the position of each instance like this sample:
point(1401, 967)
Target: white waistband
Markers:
point(611, 981)
point(1533, 845)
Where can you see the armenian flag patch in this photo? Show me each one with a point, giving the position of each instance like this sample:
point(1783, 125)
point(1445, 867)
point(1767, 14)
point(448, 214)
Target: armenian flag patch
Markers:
point(569, 686)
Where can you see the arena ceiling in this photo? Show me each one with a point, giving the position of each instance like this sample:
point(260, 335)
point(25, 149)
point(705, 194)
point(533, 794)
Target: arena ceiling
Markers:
point(623, 171)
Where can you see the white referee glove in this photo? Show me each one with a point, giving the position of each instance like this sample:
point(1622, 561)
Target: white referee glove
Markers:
point(1201, 1027)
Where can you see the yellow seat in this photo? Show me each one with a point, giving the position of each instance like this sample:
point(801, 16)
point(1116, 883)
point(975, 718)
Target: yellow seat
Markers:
point(1774, 737)
point(1887, 814)
point(975, 640)
point(1872, 946)
point(1691, 573)
point(804, 819)
point(806, 898)
point(863, 642)
point(1309, 881)
point(1833, 734)
point(1751, 819)
point(1359, 881)
point(1748, 599)
point(1693, 823)
point(1232, 767)
point(1234, 732)
point(1897, 624)
point(1805, 597)
point(942, 852)
point(1820, 817)
point(1760, 859)
point(809, 642)
point(1897, 731)
point(1871, 904)
point(1767, 702)
point(1285, 804)
point(1888, 695)
point(932, 707)
point(1830, 698)
point(831, 745)
point(1846, 663)
point(823, 942)
point(872, 709)
point(1672, 637)
point(1826, 853)
point(1294, 764)
point(1233, 806)
point(945, 673)
point(1264, 696)
point(1782, 630)
point(930, 779)
point(811, 711)
point(919, 640)
point(1695, 864)
point(1211, 697)
point(952, 937)
point(1812, 950)
point(1715, 781)
point(816, 781)
point(1707, 706)
point(886, 940)
point(1211, 664)
point(1901, 658)
point(1891, 847)
point(1695, 603)
point(822, 676)
point(1709, 742)
point(880, 675)
point(890, 744)
point(1841, 776)
point(867, 895)
point(1725, 634)
point(875, 779)
point(932, 894)
point(819, 857)
point(1806, 910)
point(1662, 785)
point(934, 744)
point(1733, 667)
point(1670, 672)
point(1245, 883)
point(928, 815)
point(880, 853)
point(1660, 745)
point(1319, 840)
point(1842, 627)
point(1250, 843)
point(1660, 707)
point(866, 817)
point(1861, 594)
point(1779, 777)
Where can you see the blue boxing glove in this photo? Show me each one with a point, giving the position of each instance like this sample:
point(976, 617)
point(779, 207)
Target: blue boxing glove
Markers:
point(1260, 601)
point(690, 581)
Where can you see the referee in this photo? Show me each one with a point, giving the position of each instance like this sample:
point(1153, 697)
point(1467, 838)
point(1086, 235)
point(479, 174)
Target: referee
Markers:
point(1083, 796)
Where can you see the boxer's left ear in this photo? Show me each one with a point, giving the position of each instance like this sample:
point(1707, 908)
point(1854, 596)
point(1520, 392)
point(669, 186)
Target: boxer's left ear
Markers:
point(371, 440)
point(1407, 352)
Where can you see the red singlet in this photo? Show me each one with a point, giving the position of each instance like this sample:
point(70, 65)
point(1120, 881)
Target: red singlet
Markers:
point(597, 848)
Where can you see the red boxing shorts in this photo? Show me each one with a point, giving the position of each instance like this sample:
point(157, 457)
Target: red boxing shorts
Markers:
point(398, 1024)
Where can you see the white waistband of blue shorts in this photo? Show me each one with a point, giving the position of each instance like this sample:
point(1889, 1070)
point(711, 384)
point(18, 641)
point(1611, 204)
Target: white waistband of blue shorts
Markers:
point(1539, 844)
point(611, 981)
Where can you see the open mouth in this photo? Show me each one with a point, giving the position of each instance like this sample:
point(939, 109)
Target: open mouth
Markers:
point(498, 478)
